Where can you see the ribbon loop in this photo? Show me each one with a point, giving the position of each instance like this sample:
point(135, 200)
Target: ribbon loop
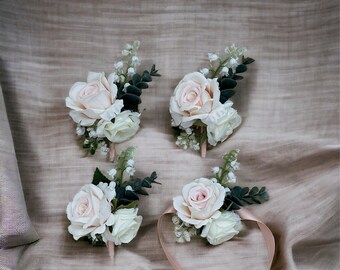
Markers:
point(245, 216)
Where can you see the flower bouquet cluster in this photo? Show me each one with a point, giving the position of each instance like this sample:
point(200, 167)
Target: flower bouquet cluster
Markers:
point(206, 206)
point(106, 109)
point(106, 211)
point(200, 107)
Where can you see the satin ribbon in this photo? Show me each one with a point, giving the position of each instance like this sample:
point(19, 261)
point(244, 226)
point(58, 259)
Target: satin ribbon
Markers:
point(245, 216)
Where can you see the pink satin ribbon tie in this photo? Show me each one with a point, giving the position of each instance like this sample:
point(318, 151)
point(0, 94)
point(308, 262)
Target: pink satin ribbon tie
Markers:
point(245, 216)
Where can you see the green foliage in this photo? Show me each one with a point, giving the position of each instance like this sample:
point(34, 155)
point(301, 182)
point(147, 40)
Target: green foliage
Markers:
point(98, 177)
point(98, 241)
point(132, 204)
point(239, 196)
point(131, 95)
point(138, 184)
point(241, 68)
point(228, 82)
point(127, 198)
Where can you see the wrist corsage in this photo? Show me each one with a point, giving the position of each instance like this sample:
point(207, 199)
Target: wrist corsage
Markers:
point(212, 208)
point(106, 108)
point(206, 206)
point(106, 211)
point(201, 108)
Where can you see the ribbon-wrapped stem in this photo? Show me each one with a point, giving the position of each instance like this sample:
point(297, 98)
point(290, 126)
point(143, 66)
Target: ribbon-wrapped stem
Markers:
point(112, 152)
point(203, 142)
point(111, 248)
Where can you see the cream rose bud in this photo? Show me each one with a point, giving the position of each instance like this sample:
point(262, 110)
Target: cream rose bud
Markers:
point(89, 100)
point(194, 98)
point(89, 212)
point(125, 226)
point(223, 228)
point(125, 126)
point(221, 123)
point(200, 202)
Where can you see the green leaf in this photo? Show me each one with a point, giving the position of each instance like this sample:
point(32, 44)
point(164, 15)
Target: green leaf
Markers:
point(133, 90)
point(248, 61)
point(241, 68)
point(146, 77)
point(98, 177)
point(136, 78)
point(138, 184)
point(253, 191)
point(223, 99)
point(131, 99)
point(245, 196)
point(228, 83)
point(146, 184)
point(237, 77)
point(142, 85)
point(154, 71)
point(199, 123)
point(132, 204)
point(227, 94)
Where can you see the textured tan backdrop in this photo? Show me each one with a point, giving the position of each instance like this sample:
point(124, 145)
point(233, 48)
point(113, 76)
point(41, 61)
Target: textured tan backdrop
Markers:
point(289, 138)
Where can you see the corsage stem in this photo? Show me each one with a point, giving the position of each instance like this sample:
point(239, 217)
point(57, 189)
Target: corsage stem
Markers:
point(112, 152)
point(111, 248)
point(204, 143)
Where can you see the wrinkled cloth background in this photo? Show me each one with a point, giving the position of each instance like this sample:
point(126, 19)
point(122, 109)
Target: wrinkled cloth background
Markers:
point(289, 138)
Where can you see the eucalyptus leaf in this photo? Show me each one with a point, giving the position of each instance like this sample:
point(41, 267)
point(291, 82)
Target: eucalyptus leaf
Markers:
point(245, 196)
point(131, 99)
point(136, 78)
point(237, 77)
point(228, 83)
point(146, 77)
point(248, 61)
point(142, 85)
point(241, 68)
point(227, 93)
point(131, 89)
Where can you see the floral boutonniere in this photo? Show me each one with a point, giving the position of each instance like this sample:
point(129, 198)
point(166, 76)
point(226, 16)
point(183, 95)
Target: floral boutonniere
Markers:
point(106, 211)
point(206, 206)
point(106, 108)
point(200, 107)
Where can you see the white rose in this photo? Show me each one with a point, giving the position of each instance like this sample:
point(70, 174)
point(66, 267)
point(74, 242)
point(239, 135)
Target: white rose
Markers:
point(200, 202)
point(125, 126)
point(194, 98)
point(89, 212)
point(221, 123)
point(125, 226)
point(93, 99)
point(223, 228)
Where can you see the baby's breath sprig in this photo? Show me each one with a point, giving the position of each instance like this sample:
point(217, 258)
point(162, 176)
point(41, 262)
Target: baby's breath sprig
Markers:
point(183, 231)
point(225, 175)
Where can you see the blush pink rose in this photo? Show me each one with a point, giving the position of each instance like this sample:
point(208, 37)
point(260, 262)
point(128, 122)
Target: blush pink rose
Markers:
point(89, 212)
point(94, 99)
point(200, 202)
point(193, 99)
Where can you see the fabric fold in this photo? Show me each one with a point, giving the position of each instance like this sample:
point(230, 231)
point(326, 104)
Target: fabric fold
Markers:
point(15, 226)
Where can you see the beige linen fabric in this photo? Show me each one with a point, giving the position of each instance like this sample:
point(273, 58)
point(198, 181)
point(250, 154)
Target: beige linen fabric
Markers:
point(289, 138)
point(15, 226)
